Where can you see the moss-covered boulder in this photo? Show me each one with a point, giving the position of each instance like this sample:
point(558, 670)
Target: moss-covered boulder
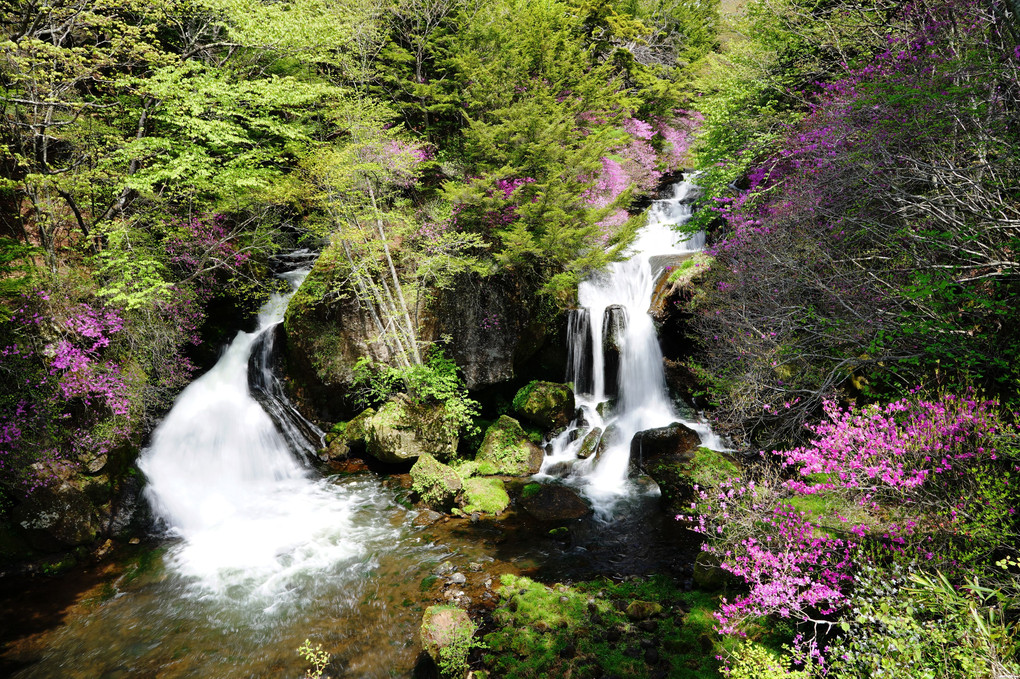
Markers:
point(590, 443)
point(446, 633)
point(677, 474)
point(507, 447)
point(485, 495)
point(63, 514)
point(550, 405)
point(402, 430)
point(437, 484)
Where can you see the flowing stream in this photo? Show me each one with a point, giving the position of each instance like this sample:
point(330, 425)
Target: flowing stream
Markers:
point(615, 361)
point(260, 552)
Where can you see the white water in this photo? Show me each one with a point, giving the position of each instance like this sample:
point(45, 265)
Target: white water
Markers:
point(642, 400)
point(253, 521)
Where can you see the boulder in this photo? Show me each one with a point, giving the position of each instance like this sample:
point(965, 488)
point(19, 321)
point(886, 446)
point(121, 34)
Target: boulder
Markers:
point(651, 444)
point(437, 484)
point(485, 495)
point(555, 503)
point(60, 515)
point(590, 443)
point(642, 610)
point(509, 450)
point(446, 631)
point(614, 326)
point(547, 404)
point(610, 437)
point(403, 430)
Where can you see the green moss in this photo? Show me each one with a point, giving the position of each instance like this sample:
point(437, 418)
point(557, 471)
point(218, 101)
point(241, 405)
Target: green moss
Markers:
point(530, 490)
point(553, 631)
point(427, 582)
point(691, 268)
point(469, 468)
point(485, 495)
point(712, 467)
point(507, 448)
point(436, 483)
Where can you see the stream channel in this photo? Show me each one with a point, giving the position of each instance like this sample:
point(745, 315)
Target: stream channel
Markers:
point(260, 552)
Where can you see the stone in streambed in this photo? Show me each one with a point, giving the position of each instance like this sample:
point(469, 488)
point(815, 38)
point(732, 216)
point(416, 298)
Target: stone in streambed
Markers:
point(486, 495)
point(437, 484)
point(444, 631)
point(590, 443)
point(555, 503)
point(509, 450)
point(403, 430)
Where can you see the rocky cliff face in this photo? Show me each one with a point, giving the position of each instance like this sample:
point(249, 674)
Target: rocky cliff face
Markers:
point(497, 329)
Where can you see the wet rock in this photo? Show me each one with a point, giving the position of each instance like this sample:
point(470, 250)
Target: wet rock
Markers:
point(509, 450)
point(614, 326)
point(444, 568)
point(642, 610)
point(437, 484)
point(590, 443)
point(610, 437)
point(458, 579)
point(555, 503)
point(549, 405)
point(669, 440)
point(336, 451)
point(426, 517)
point(403, 430)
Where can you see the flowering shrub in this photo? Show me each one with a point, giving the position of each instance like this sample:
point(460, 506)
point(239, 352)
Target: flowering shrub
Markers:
point(907, 481)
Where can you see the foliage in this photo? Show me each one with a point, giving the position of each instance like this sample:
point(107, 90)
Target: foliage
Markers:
point(434, 382)
point(862, 258)
point(316, 657)
point(921, 484)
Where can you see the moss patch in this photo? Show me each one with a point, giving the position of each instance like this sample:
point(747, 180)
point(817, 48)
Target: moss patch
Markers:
point(584, 631)
point(546, 404)
point(485, 495)
point(436, 484)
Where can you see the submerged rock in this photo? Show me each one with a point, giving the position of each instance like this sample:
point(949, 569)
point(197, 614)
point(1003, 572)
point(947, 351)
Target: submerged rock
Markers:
point(437, 484)
point(507, 448)
point(555, 503)
point(547, 404)
point(403, 430)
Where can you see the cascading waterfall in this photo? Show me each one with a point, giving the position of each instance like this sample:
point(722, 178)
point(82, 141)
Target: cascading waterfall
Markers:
point(614, 352)
point(223, 478)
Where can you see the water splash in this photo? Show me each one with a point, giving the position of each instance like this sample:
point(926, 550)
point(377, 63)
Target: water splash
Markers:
point(614, 316)
point(252, 519)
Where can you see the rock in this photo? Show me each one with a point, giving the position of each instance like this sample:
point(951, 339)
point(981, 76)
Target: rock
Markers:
point(555, 503)
point(669, 440)
point(547, 404)
point(403, 430)
point(458, 579)
point(708, 573)
point(485, 495)
point(336, 451)
point(677, 473)
point(509, 450)
point(604, 409)
point(614, 326)
point(642, 610)
point(590, 443)
point(426, 517)
point(444, 631)
point(437, 484)
point(610, 437)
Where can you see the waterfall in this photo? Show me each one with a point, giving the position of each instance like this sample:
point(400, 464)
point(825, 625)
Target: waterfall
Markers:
point(224, 479)
point(613, 353)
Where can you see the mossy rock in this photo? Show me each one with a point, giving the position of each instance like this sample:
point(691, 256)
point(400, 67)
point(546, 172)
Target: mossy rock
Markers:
point(590, 443)
point(469, 468)
point(507, 448)
point(485, 495)
point(402, 430)
point(446, 630)
point(555, 503)
point(642, 610)
point(357, 429)
point(437, 484)
point(547, 404)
